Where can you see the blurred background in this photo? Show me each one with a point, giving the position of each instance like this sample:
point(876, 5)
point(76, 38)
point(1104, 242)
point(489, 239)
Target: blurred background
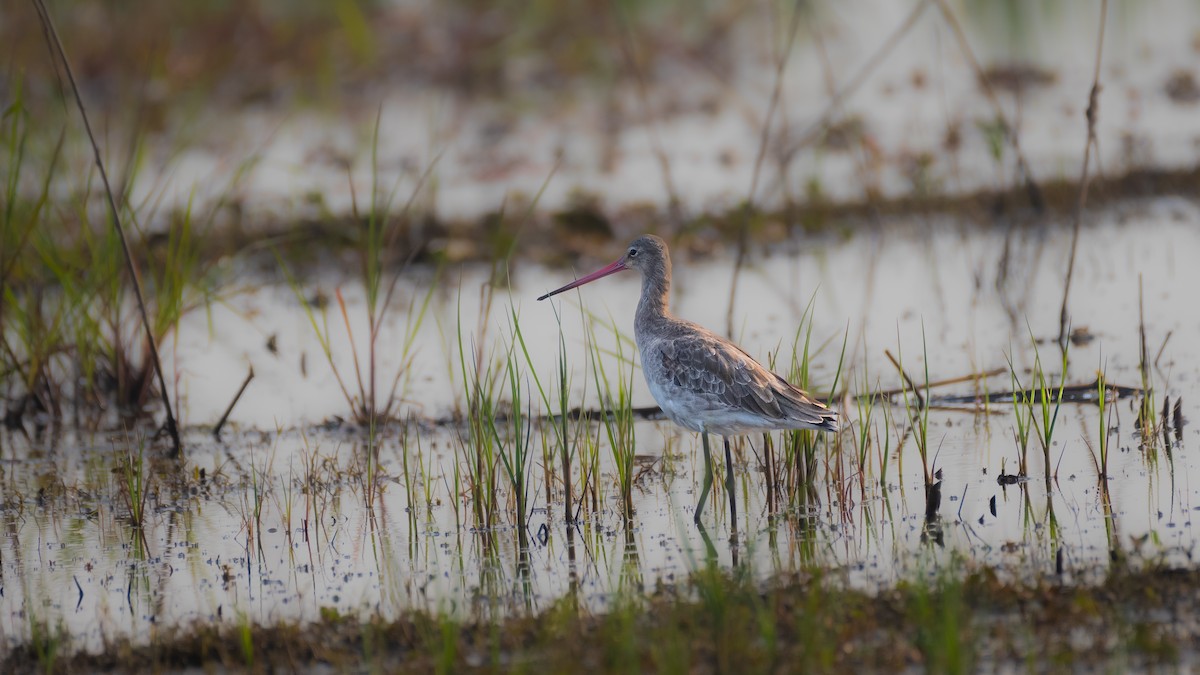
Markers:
point(611, 116)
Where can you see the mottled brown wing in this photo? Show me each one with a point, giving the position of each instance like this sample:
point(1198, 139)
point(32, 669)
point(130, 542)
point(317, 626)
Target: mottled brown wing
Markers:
point(719, 371)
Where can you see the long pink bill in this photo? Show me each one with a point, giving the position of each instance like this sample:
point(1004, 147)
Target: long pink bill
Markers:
point(600, 273)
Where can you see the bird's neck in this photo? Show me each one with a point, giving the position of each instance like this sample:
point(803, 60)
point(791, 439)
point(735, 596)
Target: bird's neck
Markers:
point(654, 303)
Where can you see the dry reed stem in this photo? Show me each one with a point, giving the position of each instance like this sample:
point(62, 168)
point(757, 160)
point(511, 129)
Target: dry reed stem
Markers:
point(236, 397)
point(1093, 110)
point(907, 380)
point(57, 48)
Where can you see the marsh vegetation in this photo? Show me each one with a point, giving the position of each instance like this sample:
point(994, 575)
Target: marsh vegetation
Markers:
point(391, 457)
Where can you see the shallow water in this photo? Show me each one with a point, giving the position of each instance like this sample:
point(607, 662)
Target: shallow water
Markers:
point(947, 297)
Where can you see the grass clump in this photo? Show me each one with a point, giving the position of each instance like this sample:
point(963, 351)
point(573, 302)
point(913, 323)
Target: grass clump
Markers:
point(135, 486)
point(77, 344)
point(616, 400)
point(515, 445)
point(479, 451)
point(379, 233)
point(557, 402)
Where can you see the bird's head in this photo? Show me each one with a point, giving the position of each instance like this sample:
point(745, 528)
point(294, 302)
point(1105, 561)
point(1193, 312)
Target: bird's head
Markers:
point(646, 254)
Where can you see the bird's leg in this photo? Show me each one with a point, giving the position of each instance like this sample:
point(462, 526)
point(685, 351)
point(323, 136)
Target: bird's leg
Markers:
point(729, 487)
point(710, 551)
point(707, 477)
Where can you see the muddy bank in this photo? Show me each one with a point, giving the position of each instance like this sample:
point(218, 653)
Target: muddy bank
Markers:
point(1138, 618)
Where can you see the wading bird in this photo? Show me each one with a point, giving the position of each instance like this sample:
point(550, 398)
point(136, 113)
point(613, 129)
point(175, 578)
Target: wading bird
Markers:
point(702, 381)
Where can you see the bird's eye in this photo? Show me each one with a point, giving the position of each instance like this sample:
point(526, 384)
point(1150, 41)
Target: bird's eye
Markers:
point(633, 253)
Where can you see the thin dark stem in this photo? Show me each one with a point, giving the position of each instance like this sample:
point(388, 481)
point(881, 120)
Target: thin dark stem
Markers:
point(363, 413)
point(172, 428)
point(236, 397)
point(764, 138)
point(1092, 111)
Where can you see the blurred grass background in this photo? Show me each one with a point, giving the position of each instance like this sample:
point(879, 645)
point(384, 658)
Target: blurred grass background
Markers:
point(315, 50)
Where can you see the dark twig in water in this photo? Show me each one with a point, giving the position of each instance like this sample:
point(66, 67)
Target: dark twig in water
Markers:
point(79, 603)
point(1178, 415)
point(57, 47)
point(1166, 424)
point(1093, 110)
point(236, 397)
point(1079, 393)
point(933, 500)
